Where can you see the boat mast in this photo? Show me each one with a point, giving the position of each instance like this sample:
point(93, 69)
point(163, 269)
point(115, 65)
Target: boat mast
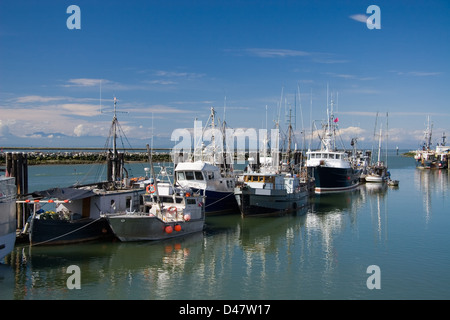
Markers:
point(115, 163)
point(155, 182)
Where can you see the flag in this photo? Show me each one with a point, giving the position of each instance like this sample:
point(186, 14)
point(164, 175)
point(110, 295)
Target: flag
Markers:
point(336, 119)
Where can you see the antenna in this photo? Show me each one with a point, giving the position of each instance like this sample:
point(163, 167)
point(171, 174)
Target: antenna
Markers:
point(100, 95)
point(224, 107)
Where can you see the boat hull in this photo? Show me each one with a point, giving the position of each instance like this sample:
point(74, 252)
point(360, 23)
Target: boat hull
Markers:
point(148, 228)
point(334, 179)
point(257, 202)
point(375, 178)
point(7, 217)
point(218, 202)
point(50, 232)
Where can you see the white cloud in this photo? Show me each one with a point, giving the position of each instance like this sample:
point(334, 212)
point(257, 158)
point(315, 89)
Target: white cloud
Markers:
point(85, 82)
point(32, 99)
point(189, 75)
point(276, 53)
point(79, 130)
point(359, 17)
point(85, 110)
point(165, 109)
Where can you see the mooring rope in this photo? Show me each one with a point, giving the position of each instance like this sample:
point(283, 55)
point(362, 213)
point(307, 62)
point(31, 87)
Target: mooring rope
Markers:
point(63, 235)
point(231, 194)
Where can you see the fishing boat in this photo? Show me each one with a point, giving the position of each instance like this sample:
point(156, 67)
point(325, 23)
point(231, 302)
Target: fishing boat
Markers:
point(8, 195)
point(209, 172)
point(332, 169)
point(443, 153)
point(166, 211)
point(270, 188)
point(202, 176)
point(426, 158)
point(378, 172)
point(271, 193)
point(76, 212)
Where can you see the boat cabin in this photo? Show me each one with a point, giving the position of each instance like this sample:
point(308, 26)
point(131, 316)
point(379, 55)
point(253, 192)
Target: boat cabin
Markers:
point(327, 158)
point(202, 175)
point(271, 181)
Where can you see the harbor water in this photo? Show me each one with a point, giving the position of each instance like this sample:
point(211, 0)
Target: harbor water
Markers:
point(374, 242)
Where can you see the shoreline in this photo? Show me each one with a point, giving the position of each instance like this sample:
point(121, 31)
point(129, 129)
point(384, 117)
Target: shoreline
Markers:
point(40, 158)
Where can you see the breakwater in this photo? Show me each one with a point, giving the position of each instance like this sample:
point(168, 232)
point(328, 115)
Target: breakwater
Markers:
point(81, 156)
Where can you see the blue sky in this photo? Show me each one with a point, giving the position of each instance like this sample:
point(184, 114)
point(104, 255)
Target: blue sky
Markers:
point(169, 62)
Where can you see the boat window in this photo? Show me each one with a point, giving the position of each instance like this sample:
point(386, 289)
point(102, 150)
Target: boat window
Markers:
point(189, 175)
point(338, 156)
point(180, 175)
point(190, 201)
point(198, 175)
point(210, 175)
point(331, 156)
point(166, 199)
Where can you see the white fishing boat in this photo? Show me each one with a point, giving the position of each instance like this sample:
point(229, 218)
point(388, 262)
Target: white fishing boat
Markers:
point(426, 157)
point(166, 211)
point(7, 215)
point(209, 172)
point(378, 172)
point(443, 153)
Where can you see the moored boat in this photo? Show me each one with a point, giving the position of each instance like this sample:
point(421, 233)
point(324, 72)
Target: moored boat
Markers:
point(377, 173)
point(426, 157)
point(165, 211)
point(273, 187)
point(201, 176)
point(208, 171)
point(271, 193)
point(8, 195)
point(332, 169)
point(173, 215)
point(76, 211)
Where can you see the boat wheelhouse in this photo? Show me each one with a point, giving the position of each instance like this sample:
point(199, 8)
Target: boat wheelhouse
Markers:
point(203, 176)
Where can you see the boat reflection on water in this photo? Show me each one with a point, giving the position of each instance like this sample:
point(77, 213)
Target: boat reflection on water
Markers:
point(321, 252)
point(107, 270)
point(431, 184)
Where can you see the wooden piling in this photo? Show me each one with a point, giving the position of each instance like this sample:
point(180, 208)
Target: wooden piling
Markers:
point(17, 167)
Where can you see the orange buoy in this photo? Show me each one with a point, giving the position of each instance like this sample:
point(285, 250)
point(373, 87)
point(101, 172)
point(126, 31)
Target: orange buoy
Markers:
point(177, 228)
point(168, 229)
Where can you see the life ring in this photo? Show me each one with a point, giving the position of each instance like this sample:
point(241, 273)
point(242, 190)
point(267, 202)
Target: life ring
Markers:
point(150, 188)
point(172, 210)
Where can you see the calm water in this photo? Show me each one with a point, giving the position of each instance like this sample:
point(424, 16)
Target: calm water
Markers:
point(321, 252)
